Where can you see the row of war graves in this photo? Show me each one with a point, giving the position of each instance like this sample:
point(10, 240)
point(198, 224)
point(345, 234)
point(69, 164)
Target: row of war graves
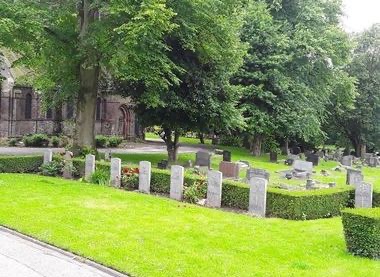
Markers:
point(257, 180)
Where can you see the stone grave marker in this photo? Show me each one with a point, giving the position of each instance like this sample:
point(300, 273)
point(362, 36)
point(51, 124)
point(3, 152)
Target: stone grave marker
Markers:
point(258, 173)
point(354, 177)
point(296, 150)
point(48, 156)
point(214, 189)
point(89, 167)
point(258, 196)
point(145, 176)
point(68, 165)
point(229, 170)
point(227, 156)
point(363, 196)
point(303, 166)
point(108, 155)
point(176, 182)
point(313, 158)
point(115, 172)
point(346, 160)
point(373, 161)
point(203, 159)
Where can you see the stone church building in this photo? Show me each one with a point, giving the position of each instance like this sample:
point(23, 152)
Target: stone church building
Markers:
point(21, 112)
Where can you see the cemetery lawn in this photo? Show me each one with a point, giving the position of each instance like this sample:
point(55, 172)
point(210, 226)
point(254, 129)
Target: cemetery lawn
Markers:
point(151, 236)
point(371, 175)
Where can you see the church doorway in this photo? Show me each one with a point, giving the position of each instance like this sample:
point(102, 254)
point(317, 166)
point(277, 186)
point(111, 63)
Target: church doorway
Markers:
point(125, 122)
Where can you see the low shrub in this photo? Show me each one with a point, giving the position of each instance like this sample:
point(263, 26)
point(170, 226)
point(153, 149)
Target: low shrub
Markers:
point(20, 164)
point(101, 141)
point(55, 141)
point(114, 141)
point(36, 140)
point(196, 191)
point(376, 199)
point(100, 177)
point(362, 231)
point(52, 169)
point(12, 142)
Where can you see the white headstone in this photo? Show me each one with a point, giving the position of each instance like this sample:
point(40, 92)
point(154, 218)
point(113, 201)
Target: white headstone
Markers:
point(363, 196)
point(48, 156)
point(68, 165)
point(258, 196)
point(145, 176)
point(176, 182)
point(115, 172)
point(214, 189)
point(90, 167)
point(300, 165)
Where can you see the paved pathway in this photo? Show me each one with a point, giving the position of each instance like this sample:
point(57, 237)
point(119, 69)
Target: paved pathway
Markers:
point(131, 148)
point(21, 257)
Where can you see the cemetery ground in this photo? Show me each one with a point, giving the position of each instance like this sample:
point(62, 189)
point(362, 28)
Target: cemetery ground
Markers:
point(147, 235)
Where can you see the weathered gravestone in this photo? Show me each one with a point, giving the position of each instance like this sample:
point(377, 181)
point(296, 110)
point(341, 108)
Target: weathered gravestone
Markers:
point(363, 196)
point(258, 196)
point(227, 156)
point(68, 165)
point(176, 182)
point(214, 189)
point(373, 161)
point(296, 150)
point(48, 156)
point(346, 160)
point(367, 157)
point(145, 176)
point(108, 155)
point(89, 167)
point(354, 177)
point(313, 158)
point(203, 159)
point(115, 172)
point(229, 170)
point(258, 173)
point(303, 166)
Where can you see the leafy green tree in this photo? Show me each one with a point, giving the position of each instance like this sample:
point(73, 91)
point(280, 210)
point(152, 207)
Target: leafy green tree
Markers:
point(71, 44)
point(207, 49)
point(359, 123)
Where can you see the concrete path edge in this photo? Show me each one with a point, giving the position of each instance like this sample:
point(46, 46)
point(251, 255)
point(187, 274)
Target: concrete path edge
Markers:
point(86, 261)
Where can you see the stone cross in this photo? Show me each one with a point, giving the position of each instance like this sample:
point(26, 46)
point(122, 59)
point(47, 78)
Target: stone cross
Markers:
point(176, 182)
point(214, 189)
point(115, 180)
point(363, 196)
point(145, 176)
point(48, 156)
point(258, 196)
point(354, 177)
point(89, 167)
point(68, 166)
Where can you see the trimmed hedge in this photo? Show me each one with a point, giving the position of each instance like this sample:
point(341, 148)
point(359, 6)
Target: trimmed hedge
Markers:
point(20, 164)
point(376, 199)
point(80, 165)
point(296, 205)
point(362, 231)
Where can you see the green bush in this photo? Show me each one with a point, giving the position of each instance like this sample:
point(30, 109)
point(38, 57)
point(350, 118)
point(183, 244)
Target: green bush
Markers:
point(196, 191)
point(101, 141)
point(52, 169)
point(80, 164)
point(20, 164)
point(376, 199)
point(100, 177)
point(36, 140)
point(114, 141)
point(231, 140)
point(362, 231)
point(55, 141)
point(12, 142)
point(296, 205)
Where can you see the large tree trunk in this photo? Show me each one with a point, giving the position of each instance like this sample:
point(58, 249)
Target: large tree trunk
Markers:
point(57, 127)
point(363, 150)
point(201, 137)
point(89, 80)
point(256, 145)
point(287, 152)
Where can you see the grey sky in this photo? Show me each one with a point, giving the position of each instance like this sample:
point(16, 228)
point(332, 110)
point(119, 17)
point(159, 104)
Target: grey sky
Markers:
point(360, 14)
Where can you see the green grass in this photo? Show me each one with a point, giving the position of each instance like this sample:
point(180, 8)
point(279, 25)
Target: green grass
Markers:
point(151, 236)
